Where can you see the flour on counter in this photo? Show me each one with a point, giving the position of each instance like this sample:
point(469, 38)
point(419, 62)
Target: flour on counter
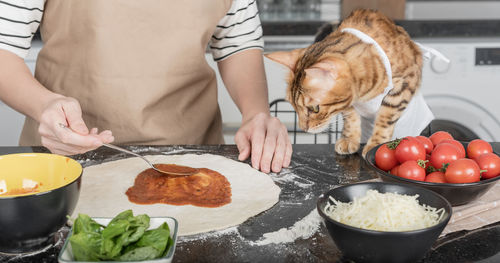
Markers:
point(228, 231)
point(290, 177)
point(141, 149)
point(302, 229)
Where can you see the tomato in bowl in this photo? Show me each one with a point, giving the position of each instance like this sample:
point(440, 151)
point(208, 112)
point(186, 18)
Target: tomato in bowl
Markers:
point(464, 179)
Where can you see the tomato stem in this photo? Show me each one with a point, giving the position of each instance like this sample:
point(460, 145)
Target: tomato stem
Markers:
point(393, 144)
point(444, 167)
point(431, 169)
point(422, 163)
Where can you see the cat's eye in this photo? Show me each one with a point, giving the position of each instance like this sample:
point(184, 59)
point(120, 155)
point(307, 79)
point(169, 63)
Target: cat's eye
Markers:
point(314, 108)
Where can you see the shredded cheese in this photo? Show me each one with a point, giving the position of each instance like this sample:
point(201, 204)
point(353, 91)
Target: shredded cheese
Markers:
point(384, 212)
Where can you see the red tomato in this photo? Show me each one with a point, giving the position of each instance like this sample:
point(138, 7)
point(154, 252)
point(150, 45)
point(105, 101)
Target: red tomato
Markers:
point(444, 153)
point(410, 149)
point(489, 162)
point(438, 136)
point(435, 177)
point(477, 147)
point(426, 142)
point(411, 170)
point(459, 145)
point(462, 171)
point(394, 170)
point(385, 158)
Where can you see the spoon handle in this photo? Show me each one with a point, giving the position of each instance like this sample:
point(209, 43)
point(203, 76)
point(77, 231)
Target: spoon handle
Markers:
point(173, 174)
point(127, 151)
point(117, 148)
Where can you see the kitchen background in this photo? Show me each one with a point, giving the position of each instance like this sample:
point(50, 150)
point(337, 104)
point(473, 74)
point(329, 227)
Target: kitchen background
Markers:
point(463, 94)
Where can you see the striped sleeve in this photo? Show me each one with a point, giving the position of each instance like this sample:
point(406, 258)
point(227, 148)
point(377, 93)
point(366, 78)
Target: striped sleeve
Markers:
point(19, 20)
point(238, 30)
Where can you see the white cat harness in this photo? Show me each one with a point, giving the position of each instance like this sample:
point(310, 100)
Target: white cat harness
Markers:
point(417, 114)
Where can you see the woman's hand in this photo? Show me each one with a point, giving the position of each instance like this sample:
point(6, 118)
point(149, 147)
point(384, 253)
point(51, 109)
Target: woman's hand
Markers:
point(63, 130)
point(266, 139)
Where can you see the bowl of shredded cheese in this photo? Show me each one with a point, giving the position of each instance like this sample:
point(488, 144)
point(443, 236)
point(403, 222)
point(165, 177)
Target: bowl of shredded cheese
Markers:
point(384, 222)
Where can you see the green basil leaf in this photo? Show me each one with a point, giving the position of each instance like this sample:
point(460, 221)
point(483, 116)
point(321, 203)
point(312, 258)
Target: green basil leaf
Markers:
point(139, 253)
point(86, 246)
point(125, 238)
point(135, 235)
point(157, 238)
point(125, 215)
point(84, 223)
point(140, 220)
point(115, 228)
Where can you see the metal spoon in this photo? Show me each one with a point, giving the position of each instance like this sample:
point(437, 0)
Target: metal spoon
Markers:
point(190, 171)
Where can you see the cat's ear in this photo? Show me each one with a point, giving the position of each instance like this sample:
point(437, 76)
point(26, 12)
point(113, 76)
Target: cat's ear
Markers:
point(326, 70)
point(321, 77)
point(287, 58)
point(319, 74)
point(319, 81)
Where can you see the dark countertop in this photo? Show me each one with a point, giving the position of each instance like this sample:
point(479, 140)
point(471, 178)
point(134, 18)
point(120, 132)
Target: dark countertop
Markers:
point(314, 170)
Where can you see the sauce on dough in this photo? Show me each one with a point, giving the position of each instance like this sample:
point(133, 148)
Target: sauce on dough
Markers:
point(206, 188)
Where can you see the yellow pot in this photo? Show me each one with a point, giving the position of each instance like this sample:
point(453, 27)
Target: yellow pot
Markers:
point(37, 193)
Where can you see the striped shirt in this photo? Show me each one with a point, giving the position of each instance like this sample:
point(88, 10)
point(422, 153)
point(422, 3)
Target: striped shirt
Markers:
point(238, 30)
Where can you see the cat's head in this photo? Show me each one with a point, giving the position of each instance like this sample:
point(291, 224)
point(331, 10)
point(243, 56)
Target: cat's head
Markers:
point(319, 86)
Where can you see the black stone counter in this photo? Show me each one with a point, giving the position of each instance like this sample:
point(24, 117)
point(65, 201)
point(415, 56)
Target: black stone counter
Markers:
point(314, 170)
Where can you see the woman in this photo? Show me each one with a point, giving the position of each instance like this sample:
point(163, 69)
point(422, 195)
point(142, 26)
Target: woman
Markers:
point(138, 69)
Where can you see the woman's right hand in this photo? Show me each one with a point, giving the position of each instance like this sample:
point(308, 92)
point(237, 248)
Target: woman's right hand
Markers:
point(75, 138)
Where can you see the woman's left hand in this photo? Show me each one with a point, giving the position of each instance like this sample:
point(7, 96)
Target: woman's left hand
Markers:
point(266, 140)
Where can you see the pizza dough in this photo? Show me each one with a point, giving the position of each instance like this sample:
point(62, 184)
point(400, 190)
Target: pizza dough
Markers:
point(104, 186)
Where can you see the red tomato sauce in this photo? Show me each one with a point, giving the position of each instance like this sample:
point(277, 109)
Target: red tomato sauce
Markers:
point(206, 188)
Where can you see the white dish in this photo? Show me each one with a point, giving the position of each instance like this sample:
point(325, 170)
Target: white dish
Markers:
point(66, 254)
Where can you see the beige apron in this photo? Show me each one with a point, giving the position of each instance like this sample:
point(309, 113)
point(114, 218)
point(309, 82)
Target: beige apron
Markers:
point(137, 68)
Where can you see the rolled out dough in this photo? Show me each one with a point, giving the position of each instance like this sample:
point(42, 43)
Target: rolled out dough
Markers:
point(104, 186)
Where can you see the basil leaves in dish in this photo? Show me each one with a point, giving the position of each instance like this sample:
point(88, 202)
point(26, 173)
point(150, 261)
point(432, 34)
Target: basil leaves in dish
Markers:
point(125, 238)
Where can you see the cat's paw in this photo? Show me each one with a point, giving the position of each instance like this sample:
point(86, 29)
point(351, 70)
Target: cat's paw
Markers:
point(367, 148)
point(346, 146)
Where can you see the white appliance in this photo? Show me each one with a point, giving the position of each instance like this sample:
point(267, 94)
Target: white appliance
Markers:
point(464, 94)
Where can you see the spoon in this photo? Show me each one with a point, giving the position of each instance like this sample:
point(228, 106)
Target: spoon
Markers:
point(187, 171)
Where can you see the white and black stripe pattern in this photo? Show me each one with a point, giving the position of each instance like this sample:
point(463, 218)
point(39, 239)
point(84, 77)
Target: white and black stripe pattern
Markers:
point(238, 30)
point(19, 20)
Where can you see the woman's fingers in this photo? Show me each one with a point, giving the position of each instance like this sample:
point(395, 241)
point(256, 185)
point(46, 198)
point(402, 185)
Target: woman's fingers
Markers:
point(63, 130)
point(73, 115)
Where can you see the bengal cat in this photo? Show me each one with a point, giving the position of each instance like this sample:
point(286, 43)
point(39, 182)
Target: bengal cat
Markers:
point(332, 75)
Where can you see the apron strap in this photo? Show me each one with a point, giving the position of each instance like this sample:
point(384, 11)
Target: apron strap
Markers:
point(385, 60)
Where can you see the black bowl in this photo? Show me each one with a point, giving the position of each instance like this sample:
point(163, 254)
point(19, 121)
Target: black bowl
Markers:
point(363, 245)
point(28, 221)
point(456, 194)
